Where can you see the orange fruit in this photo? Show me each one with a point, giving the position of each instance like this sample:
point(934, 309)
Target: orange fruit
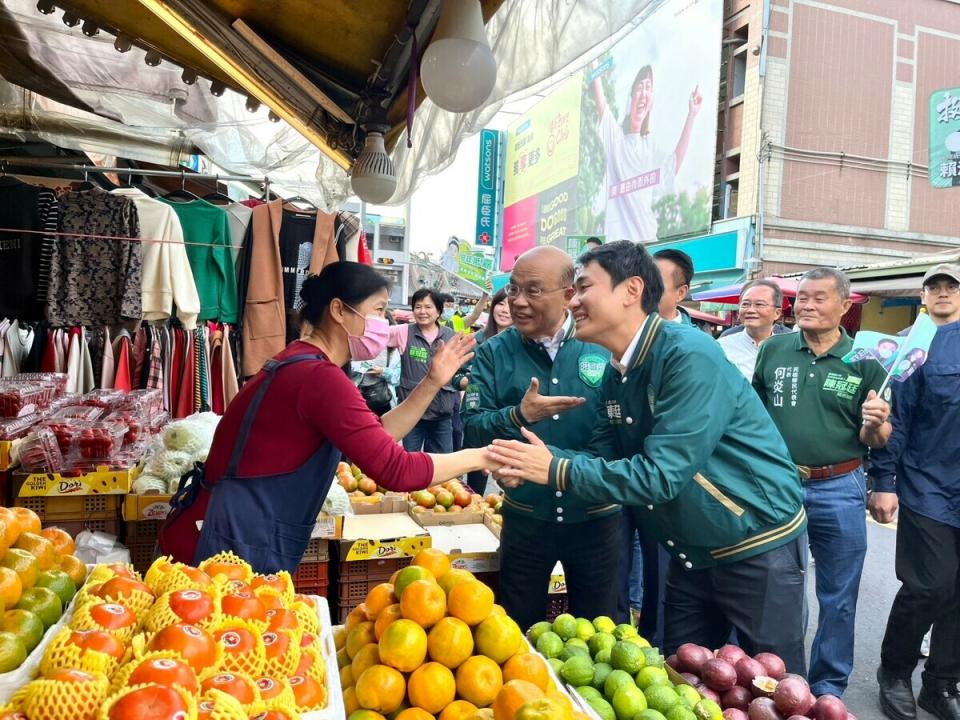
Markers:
point(408, 575)
point(471, 601)
point(356, 616)
point(242, 687)
point(458, 710)
point(454, 577)
point(380, 688)
point(39, 547)
point(230, 570)
point(346, 677)
point(244, 605)
point(434, 560)
point(514, 694)
point(23, 564)
point(403, 645)
point(28, 519)
point(98, 641)
point(561, 699)
point(386, 616)
point(111, 616)
point(363, 714)
point(498, 637)
point(498, 610)
point(339, 637)
point(527, 666)
point(413, 713)
point(153, 701)
point(282, 619)
point(191, 606)
point(350, 700)
point(450, 642)
point(368, 656)
point(164, 671)
point(431, 687)
point(75, 568)
point(10, 587)
point(195, 645)
point(11, 527)
point(307, 692)
point(62, 542)
point(479, 680)
point(359, 636)
point(423, 602)
point(378, 599)
point(117, 588)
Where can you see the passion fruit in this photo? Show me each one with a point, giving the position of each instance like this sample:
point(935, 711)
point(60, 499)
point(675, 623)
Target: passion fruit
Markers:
point(792, 696)
point(718, 674)
point(747, 670)
point(763, 686)
point(773, 664)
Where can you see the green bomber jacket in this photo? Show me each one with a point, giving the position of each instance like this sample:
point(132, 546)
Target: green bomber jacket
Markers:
point(499, 377)
point(685, 441)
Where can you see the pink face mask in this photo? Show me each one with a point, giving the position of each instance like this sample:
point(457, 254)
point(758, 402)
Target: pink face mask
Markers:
point(376, 335)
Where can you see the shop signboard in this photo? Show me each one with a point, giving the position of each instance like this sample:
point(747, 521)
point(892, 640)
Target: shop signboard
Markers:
point(624, 148)
point(944, 160)
point(488, 189)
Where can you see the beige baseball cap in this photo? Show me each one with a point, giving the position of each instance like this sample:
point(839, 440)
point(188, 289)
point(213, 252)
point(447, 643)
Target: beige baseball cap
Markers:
point(950, 270)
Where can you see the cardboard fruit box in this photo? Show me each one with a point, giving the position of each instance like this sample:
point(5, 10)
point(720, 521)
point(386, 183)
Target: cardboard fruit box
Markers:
point(146, 507)
point(381, 530)
point(102, 481)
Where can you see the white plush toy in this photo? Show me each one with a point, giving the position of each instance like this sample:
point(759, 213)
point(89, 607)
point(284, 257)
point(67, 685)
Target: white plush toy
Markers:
point(181, 444)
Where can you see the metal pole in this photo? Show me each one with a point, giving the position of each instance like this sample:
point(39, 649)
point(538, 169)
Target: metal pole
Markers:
point(34, 163)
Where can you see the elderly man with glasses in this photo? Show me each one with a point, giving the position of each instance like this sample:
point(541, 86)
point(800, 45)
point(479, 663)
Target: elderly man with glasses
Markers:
point(537, 375)
point(761, 306)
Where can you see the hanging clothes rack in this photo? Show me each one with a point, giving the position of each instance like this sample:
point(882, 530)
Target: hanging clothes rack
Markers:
point(21, 162)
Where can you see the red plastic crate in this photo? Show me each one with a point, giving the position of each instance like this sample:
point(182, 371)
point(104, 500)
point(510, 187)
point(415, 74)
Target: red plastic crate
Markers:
point(352, 593)
point(556, 605)
point(318, 550)
point(320, 589)
point(379, 570)
point(311, 573)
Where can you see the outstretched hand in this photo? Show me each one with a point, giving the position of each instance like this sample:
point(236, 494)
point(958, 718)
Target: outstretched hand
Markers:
point(522, 462)
point(535, 407)
point(450, 357)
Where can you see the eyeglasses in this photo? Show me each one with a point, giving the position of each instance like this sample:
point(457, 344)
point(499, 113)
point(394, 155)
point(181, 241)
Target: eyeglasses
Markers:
point(513, 291)
point(755, 305)
point(951, 288)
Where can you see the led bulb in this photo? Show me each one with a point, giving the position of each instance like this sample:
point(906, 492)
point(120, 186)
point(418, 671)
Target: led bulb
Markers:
point(189, 76)
point(70, 19)
point(252, 104)
point(46, 7)
point(374, 178)
point(90, 28)
point(123, 43)
point(152, 58)
point(217, 88)
point(458, 69)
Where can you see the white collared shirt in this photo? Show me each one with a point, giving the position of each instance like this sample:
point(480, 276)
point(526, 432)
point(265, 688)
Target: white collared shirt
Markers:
point(619, 364)
point(552, 344)
point(678, 318)
point(741, 350)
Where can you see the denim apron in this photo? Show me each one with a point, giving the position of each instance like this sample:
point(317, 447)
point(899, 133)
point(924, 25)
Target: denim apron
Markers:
point(266, 520)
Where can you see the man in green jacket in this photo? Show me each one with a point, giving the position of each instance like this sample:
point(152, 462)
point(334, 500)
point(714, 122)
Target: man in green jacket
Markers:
point(538, 374)
point(684, 441)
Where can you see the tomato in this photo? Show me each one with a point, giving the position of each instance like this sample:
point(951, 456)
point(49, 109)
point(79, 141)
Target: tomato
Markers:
point(191, 606)
point(121, 587)
point(156, 702)
point(236, 640)
point(244, 605)
point(164, 671)
point(112, 616)
point(195, 646)
point(71, 676)
point(239, 686)
point(282, 619)
point(277, 644)
point(307, 691)
point(269, 688)
point(101, 642)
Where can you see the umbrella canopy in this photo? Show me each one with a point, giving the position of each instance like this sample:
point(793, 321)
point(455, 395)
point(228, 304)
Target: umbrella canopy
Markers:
point(730, 294)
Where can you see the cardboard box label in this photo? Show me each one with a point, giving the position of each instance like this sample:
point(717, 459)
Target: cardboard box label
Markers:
point(99, 482)
point(6, 448)
point(379, 549)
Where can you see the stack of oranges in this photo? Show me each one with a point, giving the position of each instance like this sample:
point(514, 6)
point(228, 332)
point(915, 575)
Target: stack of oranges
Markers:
point(216, 642)
point(431, 644)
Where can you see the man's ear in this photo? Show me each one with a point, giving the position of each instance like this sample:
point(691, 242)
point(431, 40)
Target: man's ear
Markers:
point(634, 291)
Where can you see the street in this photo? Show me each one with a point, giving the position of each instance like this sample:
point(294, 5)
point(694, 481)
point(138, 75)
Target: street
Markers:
point(877, 590)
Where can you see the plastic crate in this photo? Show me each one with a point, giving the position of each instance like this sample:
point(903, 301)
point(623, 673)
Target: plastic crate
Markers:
point(364, 570)
point(311, 573)
point(320, 589)
point(142, 555)
point(318, 550)
point(71, 508)
point(75, 527)
point(141, 531)
point(556, 605)
point(352, 593)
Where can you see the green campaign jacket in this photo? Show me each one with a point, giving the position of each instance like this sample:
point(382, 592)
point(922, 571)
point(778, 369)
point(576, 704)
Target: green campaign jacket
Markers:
point(685, 441)
point(499, 377)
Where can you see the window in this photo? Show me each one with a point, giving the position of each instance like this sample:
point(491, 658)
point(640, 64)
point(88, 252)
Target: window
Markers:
point(731, 190)
point(739, 74)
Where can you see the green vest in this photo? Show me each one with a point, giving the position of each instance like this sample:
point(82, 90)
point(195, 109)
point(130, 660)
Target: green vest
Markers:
point(499, 377)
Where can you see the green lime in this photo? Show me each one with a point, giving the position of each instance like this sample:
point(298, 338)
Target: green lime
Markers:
point(615, 679)
point(549, 644)
point(585, 629)
point(600, 673)
point(556, 664)
point(12, 652)
point(577, 642)
point(626, 656)
point(577, 671)
point(43, 603)
point(59, 582)
point(650, 676)
point(602, 657)
point(538, 629)
point(640, 642)
point(25, 625)
point(650, 715)
point(689, 695)
point(565, 626)
point(601, 641)
point(623, 631)
point(679, 712)
point(627, 701)
point(574, 651)
point(652, 656)
point(708, 710)
point(603, 624)
point(589, 693)
point(661, 698)
point(602, 708)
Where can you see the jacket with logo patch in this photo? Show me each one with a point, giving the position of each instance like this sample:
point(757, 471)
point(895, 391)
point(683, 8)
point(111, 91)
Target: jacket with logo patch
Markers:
point(499, 377)
point(684, 440)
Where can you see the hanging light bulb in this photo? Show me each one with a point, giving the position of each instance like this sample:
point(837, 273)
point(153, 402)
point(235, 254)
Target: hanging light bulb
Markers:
point(374, 178)
point(46, 7)
point(458, 69)
point(252, 104)
point(273, 117)
point(90, 28)
point(189, 76)
point(123, 43)
point(152, 58)
point(217, 88)
point(70, 19)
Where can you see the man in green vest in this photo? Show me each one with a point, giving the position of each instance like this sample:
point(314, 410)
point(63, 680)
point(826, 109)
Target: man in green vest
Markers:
point(684, 442)
point(538, 374)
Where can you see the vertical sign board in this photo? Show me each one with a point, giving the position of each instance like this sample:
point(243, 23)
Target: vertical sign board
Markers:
point(945, 138)
point(488, 189)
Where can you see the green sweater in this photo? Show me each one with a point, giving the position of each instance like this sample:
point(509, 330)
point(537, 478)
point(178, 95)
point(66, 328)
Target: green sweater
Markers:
point(206, 232)
point(499, 377)
point(685, 440)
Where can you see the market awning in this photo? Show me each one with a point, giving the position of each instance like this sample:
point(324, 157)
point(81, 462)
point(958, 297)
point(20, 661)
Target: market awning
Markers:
point(731, 293)
point(890, 287)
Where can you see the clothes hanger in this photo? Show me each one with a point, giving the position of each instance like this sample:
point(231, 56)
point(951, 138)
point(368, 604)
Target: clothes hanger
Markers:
point(7, 180)
point(86, 184)
point(292, 202)
point(217, 197)
point(182, 193)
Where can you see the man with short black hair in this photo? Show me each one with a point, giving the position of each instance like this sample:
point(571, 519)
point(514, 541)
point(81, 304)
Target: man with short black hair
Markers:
point(685, 444)
point(918, 473)
point(829, 415)
point(592, 243)
point(677, 270)
point(760, 308)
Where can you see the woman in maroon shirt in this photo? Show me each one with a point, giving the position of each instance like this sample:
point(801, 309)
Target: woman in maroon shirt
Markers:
point(276, 449)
